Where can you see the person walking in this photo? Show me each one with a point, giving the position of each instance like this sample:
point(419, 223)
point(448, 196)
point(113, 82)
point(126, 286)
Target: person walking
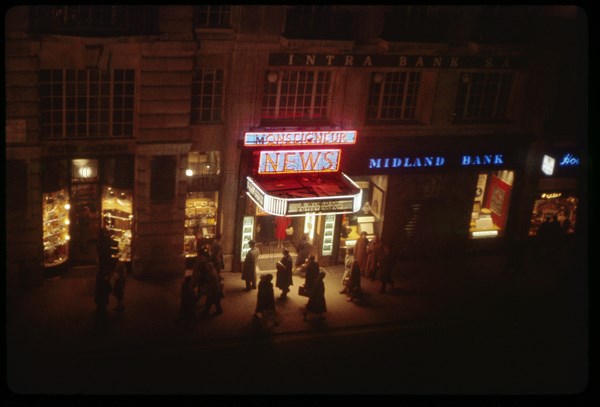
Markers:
point(374, 252)
point(214, 292)
point(216, 253)
point(303, 251)
point(188, 302)
point(348, 261)
point(102, 293)
point(249, 266)
point(312, 272)
point(386, 267)
point(284, 273)
point(265, 298)
point(118, 289)
point(360, 252)
point(316, 298)
point(107, 249)
point(353, 287)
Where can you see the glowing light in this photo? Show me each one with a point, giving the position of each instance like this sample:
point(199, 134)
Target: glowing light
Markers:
point(189, 172)
point(67, 206)
point(85, 172)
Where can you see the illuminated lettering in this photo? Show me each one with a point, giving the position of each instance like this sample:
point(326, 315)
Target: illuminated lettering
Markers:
point(341, 137)
point(310, 59)
point(330, 59)
point(488, 159)
point(569, 161)
point(293, 161)
point(407, 162)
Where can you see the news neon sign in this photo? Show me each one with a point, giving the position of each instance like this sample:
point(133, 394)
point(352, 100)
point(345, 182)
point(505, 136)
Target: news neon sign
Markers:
point(300, 138)
point(297, 161)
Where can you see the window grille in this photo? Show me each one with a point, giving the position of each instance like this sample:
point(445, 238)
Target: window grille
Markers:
point(207, 95)
point(296, 95)
point(393, 96)
point(86, 103)
point(483, 96)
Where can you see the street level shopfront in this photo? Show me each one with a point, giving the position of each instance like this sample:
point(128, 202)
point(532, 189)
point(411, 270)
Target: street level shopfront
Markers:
point(83, 194)
point(432, 196)
point(292, 182)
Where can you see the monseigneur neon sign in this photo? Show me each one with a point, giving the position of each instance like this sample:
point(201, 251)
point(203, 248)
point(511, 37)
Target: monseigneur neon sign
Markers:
point(297, 161)
point(300, 138)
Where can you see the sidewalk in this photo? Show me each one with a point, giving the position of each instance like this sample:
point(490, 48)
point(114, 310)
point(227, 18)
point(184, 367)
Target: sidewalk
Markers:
point(60, 314)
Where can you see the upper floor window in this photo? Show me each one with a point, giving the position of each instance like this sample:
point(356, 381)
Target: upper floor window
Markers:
point(318, 22)
point(86, 103)
point(393, 96)
point(94, 20)
point(207, 95)
point(212, 16)
point(296, 95)
point(482, 96)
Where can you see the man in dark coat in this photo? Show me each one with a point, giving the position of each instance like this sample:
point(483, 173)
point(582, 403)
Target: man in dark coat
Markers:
point(312, 272)
point(265, 299)
point(107, 249)
point(284, 273)
point(249, 266)
point(316, 298)
point(213, 290)
point(303, 250)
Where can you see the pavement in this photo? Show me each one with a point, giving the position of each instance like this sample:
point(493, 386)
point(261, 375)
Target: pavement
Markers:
point(59, 313)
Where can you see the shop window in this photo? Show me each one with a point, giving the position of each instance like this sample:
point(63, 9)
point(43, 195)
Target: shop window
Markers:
point(212, 16)
point(55, 212)
point(207, 96)
point(16, 185)
point(554, 205)
point(117, 216)
point(393, 96)
point(482, 96)
point(296, 95)
point(491, 204)
point(162, 182)
point(88, 103)
point(200, 220)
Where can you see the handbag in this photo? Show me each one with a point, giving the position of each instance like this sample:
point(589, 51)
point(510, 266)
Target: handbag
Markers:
point(289, 230)
point(302, 291)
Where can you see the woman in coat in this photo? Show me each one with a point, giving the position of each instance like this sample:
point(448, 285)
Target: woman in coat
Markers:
point(353, 288)
point(214, 292)
point(265, 297)
point(316, 298)
point(284, 273)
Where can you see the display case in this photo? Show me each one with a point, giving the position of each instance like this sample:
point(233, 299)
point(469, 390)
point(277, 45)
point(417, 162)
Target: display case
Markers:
point(328, 230)
point(55, 207)
point(200, 220)
point(117, 217)
point(247, 235)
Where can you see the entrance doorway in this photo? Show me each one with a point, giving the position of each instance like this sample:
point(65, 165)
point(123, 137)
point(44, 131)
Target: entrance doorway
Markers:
point(85, 227)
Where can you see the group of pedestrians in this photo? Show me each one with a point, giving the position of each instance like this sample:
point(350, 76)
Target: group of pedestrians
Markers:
point(205, 281)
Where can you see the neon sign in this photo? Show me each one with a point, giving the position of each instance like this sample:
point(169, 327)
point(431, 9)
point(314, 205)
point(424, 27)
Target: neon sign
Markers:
point(487, 159)
point(569, 161)
point(295, 161)
point(406, 162)
point(299, 138)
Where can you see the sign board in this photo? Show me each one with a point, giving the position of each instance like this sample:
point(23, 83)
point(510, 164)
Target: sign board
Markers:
point(300, 138)
point(295, 161)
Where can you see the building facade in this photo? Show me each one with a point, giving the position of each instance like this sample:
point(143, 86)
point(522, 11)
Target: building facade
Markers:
point(136, 120)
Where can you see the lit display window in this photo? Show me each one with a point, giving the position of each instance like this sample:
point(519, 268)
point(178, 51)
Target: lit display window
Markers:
point(491, 204)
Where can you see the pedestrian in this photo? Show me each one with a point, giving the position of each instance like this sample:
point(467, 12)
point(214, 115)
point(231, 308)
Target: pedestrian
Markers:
point(216, 253)
point(316, 298)
point(312, 272)
point(199, 275)
point(188, 302)
point(348, 261)
point(214, 291)
point(281, 225)
point(303, 251)
point(284, 273)
point(374, 252)
point(353, 286)
point(102, 292)
point(107, 250)
point(386, 268)
point(118, 289)
point(265, 298)
point(360, 252)
point(249, 266)
point(84, 219)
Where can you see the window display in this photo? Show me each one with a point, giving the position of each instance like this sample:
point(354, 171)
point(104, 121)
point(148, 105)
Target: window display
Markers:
point(491, 204)
point(117, 216)
point(552, 204)
point(55, 206)
point(200, 220)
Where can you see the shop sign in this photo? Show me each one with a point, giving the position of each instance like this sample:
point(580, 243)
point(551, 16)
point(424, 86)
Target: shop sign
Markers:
point(416, 162)
point(569, 160)
point(256, 193)
point(295, 161)
point(406, 162)
point(320, 206)
point(486, 159)
point(400, 61)
point(299, 138)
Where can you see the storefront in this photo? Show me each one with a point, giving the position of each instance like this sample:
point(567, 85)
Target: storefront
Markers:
point(81, 196)
point(202, 202)
point(426, 197)
point(294, 188)
point(559, 190)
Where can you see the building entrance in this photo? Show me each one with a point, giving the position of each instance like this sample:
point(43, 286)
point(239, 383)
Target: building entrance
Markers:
point(85, 225)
